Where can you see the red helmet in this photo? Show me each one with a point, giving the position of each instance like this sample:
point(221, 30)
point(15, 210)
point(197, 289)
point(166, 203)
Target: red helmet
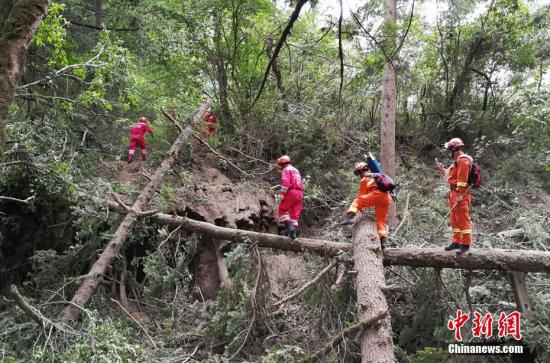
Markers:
point(285, 159)
point(455, 142)
point(142, 119)
point(360, 167)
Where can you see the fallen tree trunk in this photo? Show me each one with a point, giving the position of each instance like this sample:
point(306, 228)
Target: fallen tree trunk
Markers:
point(477, 259)
point(375, 341)
point(113, 248)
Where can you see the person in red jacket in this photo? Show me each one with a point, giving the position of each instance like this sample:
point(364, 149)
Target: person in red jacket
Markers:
point(211, 123)
point(370, 196)
point(459, 196)
point(137, 138)
point(290, 197)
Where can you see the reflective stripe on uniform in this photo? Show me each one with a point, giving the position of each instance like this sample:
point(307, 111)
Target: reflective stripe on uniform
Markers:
point(284, 189)
point(370, 183)
point(466, 231)
point(381, 231)
point(456, 229)
point(284, 218)
point(461, 184)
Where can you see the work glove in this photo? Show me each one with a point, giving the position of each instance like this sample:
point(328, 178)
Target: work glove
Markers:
point(278, 198)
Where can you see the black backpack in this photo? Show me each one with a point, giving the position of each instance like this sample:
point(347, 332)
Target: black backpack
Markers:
point(474, 177)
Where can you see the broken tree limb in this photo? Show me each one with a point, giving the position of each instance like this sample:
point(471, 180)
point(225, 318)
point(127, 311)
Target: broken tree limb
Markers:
point(370, 297)
point(354, 329)
point(319, 276)
point(20, 301)
point(113, 248)
point(476, 259)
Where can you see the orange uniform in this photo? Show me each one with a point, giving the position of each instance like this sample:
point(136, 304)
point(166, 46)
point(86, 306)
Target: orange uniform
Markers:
point(370, 196)
point(457, 177)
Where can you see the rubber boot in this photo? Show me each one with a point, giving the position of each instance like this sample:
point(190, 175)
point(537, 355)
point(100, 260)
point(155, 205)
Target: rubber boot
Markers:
point(462, 249)
point(288, 229)
point(383, 241)
point(349, 218)
point(293, 232)
point(452, 246)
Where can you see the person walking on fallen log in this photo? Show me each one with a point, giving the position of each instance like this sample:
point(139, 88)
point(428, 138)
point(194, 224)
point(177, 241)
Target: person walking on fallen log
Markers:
point(290, 197)
point(370, 196)
point(459, 195)
point(137, 138)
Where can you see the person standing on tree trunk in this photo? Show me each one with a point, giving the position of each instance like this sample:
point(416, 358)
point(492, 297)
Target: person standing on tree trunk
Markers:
point(370, 196)
point(290, 197)
point(137, 138)
point(459, 196)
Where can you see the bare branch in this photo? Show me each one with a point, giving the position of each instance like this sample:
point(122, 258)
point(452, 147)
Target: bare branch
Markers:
point(352, 330)
point(320, 275)
point(279, 45)
point(137, 322)
point(24, 201)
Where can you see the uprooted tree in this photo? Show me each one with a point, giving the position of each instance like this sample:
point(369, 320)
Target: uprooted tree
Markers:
point(369, 260)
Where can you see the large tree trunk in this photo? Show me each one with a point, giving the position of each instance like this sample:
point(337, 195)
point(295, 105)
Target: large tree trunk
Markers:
point(476, 259)
point(389, 104)
point(113, 248)
point(376, 343)
point(17, 32)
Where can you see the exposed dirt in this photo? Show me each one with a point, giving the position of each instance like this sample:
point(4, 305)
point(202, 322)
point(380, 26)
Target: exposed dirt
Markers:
point(122, 171)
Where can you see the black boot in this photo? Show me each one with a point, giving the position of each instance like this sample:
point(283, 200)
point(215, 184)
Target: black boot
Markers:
point(281, 230)
point(452, 246)
point(288, 229)
point(294, 232)
point(129, 161)
point(383, 241)
point(462, 249)
point(349, 218)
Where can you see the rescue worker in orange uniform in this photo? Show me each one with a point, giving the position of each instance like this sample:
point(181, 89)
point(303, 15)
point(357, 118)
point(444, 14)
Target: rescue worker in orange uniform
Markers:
point(290, 197)
point(459, 196)
point(370, 196)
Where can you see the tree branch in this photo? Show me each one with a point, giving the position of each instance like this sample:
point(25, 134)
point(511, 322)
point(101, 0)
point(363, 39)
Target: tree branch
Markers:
point(278, 47)
point(352, 330)
point(323, 272)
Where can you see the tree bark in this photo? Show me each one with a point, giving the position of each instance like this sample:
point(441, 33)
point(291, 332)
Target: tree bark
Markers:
point(113, 248)
point(476, 259)
point(375, 341)
point(17, 32)
point(389, 104)
point(276, 70)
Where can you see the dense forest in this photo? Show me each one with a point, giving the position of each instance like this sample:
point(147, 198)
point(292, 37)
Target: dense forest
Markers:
point(176, 257)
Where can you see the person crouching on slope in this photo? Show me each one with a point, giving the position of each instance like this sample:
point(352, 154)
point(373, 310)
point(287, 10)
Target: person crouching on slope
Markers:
point(290, 197)
point(137, 138)
point(370, 196)
point(459, 196)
